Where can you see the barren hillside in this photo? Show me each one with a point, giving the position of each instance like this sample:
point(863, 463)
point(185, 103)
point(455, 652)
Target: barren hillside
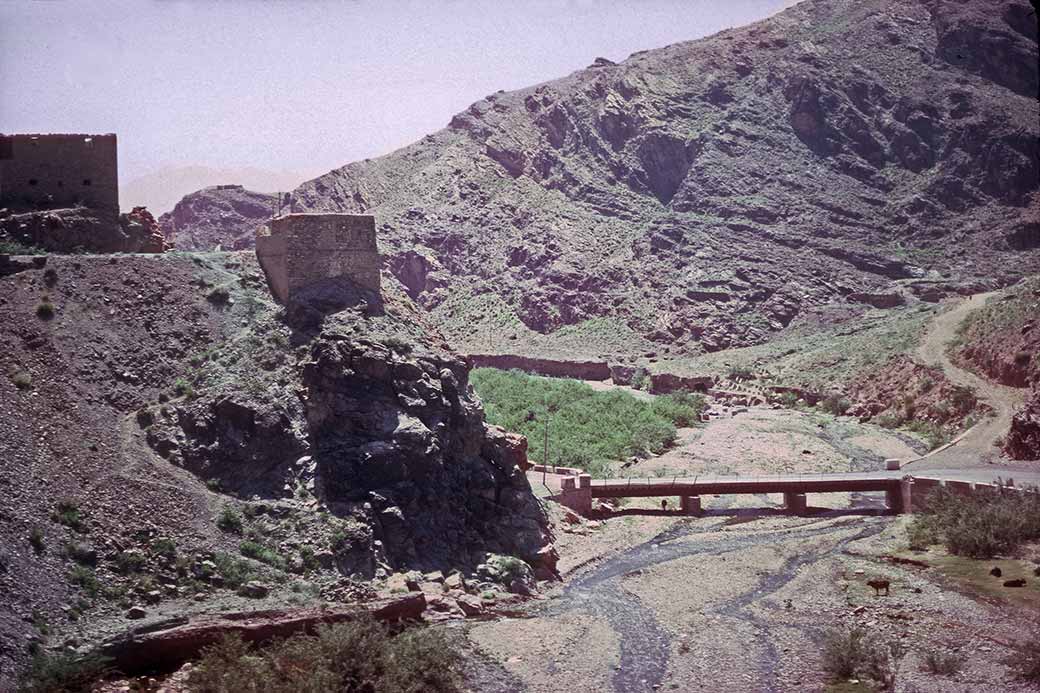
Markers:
point(710, 193)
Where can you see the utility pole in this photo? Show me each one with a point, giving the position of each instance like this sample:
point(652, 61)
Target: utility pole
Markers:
point(545, 448)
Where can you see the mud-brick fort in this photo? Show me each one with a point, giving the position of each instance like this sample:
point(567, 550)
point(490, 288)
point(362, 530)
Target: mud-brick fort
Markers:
point(297, 250)
point(51, 171)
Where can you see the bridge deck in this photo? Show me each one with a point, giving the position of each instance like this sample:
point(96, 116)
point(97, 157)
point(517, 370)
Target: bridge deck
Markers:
point(695, 486)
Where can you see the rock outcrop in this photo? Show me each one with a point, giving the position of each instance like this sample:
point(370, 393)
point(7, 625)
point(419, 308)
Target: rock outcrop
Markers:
point(1023, 440)
point(81, 229)
point(379, 414)
point(223, 216)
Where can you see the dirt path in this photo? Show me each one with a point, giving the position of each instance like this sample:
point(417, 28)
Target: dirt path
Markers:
point(976, 448)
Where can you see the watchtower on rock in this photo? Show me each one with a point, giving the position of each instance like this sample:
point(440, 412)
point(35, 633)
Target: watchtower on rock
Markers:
point(298, 250)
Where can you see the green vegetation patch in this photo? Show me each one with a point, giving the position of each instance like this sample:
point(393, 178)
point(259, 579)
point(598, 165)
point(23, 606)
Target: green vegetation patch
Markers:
point(587, 428)
point(977, 525)
point(361, 655)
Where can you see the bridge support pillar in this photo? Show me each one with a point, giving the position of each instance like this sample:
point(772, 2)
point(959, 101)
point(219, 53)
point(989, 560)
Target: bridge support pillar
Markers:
point(690, 505)
point(900, 500)
point(795, 503)
point(576, 494)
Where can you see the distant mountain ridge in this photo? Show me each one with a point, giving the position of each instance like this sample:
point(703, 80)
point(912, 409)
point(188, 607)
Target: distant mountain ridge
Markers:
point(161, 190)
point(710, 193)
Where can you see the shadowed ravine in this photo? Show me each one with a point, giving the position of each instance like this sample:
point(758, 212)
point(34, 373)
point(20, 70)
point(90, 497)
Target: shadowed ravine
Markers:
point(644, 643)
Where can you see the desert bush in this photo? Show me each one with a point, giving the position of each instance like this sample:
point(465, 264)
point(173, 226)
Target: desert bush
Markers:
point(45, 309)
point(942, 663)
point(219, 296)
point(585, 426)
point(741, 373)
point(229, 520)
point(934, 434)
point(979, 525)
point(164, 547)
point(359, 656)
point(84, 577)
point(129, 562)
point(401, 346)
point(835, 404)
point(21, 379)
point(182, 387)
point(67, 513)
point(259, 552)
point(63, 672)
point(36, 541)
point(235, 571)
point(1026, 659)
point(857, 653)
point(10, 247)
point(80, 553)
point(641, 379)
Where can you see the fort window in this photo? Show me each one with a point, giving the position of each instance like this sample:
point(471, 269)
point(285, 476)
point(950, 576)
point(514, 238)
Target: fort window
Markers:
point(33, 181)
point(86, 181)
point(61, 184)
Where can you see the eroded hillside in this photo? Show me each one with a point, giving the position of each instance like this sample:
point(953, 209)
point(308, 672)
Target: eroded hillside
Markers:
point(174, 442)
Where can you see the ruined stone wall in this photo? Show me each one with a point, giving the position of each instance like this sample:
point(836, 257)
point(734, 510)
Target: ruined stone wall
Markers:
point(48, 171)
point(300, 249)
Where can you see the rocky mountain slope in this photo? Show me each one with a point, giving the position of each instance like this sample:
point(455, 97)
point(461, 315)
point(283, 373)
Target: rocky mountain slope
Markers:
point(710, 193)
point(174, 442)
point(222, 216)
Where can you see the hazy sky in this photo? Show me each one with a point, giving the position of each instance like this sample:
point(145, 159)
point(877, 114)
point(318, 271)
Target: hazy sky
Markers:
point(307, 85)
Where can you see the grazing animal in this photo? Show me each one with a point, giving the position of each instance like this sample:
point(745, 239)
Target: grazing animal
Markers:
point(1015, 583)
point(996, 572)
point(879, 585)
point(664, 504)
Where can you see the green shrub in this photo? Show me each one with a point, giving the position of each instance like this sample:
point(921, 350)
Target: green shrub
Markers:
point(354, 657)
point(683, 409)
point(835, 404)
point(641, 379)
point(857, 653)
point(942, 663)
point(1026, 659)
point(81, 553)
point(741, 373)
point(164, 547)
point(129, 562)
point(36, 541)
point(182, 387)
point(235, 571)
point(401, 346)
point(67, 514)
point(63, 672)
point(259, 552)
point(979, 525)
point(229, 520)
point(219, 296)
point(84, 577)
point(45, 309)
point(22, 380)
point(9, 247)
point(585, 426)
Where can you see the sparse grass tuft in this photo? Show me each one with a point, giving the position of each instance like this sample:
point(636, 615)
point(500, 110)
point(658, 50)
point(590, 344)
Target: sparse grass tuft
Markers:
point(836, 405)
point(235, 571)
point(164, 547)
point(84, 577)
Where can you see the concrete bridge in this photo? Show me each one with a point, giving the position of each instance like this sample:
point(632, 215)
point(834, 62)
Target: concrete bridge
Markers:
point(902, 490)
